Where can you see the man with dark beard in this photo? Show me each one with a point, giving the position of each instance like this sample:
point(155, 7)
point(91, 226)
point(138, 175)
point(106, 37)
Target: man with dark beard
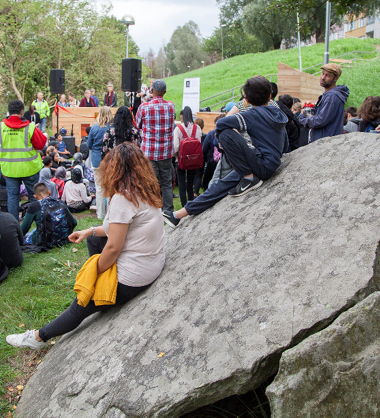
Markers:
point(327, 116)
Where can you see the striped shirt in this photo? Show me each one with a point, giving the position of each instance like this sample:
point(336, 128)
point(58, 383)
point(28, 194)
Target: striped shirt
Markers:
point(156, 118)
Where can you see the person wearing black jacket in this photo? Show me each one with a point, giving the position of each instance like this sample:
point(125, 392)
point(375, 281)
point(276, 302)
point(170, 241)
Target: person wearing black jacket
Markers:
point(293, 129)
point(32, 116)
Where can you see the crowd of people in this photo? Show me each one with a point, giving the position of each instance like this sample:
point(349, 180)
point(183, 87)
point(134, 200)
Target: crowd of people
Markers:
point(130, 165)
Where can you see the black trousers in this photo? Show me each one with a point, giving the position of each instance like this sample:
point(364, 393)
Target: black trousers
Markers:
point(186, 184)
point(209, 172)
point(75, 314)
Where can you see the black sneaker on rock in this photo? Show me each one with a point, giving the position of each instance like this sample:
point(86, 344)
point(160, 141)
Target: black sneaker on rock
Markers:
point(170, 219)
point(245, 186)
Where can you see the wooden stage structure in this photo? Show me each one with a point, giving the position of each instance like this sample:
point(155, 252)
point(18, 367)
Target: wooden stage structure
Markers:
point(79, 118)
point(298, 84)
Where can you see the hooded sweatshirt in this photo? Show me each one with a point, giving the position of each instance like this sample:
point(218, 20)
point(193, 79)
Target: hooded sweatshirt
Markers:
point(352, 125)
point(328, 114)
point(45, 178)
point(38, 139)
point(266, 127)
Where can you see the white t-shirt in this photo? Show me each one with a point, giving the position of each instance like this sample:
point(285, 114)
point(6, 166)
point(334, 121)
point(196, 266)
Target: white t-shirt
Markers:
point(143, 255)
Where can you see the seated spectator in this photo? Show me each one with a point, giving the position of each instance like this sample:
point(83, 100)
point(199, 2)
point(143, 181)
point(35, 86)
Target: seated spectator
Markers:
point(60, 179)
point(297, 107)
point(296, 100)
point(265, 125)
point(370, 113)
point(11, 238)
point(45, 178)
point(32, 116)
point(122, 130)
point(3, 194)
point(75, 193)
point(208, 156)
point(63, 102)
point(50, 149)
point(73, 102)
point(57, 162)
point(34, 214)
point(47, 162)
point(62, 151)
point(132, 236)
point(87, 101)
point(353, 121)
point(185, 177)
point(285, 103)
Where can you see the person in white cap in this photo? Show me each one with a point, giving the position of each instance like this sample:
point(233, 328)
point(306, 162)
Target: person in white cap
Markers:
point(110, 98)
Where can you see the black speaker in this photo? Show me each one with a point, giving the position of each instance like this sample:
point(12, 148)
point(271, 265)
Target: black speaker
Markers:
point(131, 74)
point(57, 81)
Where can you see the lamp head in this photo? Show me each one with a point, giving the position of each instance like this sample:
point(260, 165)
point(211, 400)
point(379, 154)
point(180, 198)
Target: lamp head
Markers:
point(127, 20)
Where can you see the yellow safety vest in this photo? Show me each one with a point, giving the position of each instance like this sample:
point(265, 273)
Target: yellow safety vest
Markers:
point(18, 158)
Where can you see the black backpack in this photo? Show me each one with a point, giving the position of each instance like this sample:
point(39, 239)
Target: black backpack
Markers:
point(56, 223)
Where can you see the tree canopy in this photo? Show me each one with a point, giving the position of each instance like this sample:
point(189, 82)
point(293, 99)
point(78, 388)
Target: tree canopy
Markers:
point(184, 49)
point(37, 36)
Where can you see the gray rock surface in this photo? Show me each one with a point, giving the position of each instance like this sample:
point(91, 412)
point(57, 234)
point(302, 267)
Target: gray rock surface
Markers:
point(243, 282)
point(334, 373)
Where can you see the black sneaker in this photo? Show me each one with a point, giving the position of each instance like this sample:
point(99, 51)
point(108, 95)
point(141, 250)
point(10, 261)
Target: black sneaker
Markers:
point(245, 186)
point(170, 219)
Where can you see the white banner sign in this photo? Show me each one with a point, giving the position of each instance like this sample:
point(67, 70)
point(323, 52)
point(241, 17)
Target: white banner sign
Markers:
point(191, 93)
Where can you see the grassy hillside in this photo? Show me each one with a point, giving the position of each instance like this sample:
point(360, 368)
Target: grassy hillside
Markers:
point(234, 71)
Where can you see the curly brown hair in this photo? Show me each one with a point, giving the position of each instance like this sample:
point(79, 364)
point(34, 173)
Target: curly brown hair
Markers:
point(125, 170)
point(370, 109)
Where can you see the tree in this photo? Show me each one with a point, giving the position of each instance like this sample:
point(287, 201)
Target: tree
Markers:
point(184, 48)
point(235, 42)
point(268, 26)
point(36, 36)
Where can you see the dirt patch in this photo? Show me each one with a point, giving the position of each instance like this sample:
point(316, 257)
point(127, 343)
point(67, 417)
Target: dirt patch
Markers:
point(25, 364)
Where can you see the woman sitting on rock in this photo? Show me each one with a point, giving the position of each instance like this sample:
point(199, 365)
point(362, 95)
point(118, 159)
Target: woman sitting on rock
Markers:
point(132, 236)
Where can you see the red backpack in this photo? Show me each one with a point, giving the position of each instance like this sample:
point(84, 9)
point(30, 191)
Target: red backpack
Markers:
point(190, 151)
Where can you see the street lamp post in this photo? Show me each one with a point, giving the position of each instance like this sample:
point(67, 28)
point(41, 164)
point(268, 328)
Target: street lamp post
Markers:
point(327, 33)
point(127, 20)
point(221, 33)
point(299, 43)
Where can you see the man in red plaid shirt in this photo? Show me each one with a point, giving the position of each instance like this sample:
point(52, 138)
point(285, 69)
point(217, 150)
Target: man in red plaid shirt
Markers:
point(156, 118)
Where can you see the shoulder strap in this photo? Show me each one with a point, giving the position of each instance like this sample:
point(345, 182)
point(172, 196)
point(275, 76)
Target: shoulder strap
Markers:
point(181, 128)
point(193, 133)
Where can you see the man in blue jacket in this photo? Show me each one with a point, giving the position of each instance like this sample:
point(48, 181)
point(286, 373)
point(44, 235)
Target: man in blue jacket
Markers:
point(266, 127)
point(328, 114)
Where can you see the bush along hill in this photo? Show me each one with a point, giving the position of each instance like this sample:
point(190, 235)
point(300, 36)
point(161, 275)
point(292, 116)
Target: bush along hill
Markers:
point(224, 75)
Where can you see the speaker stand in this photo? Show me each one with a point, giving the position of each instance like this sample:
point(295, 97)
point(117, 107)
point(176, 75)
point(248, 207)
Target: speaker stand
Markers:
point(57, 114)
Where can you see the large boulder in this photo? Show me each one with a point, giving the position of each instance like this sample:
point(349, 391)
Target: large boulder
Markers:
point(243, 282)
point(334, 373)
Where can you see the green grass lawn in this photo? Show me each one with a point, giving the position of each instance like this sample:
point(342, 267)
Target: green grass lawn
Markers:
point(31, 296)
point(235, 71)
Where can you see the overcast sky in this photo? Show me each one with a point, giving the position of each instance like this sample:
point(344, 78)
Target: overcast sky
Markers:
point(157, 19)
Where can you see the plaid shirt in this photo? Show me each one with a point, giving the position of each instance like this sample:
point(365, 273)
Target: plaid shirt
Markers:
point(156, 118)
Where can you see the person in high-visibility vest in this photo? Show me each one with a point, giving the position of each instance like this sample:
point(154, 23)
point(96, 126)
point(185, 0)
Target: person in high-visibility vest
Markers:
point(19, 159)
point(42, 108)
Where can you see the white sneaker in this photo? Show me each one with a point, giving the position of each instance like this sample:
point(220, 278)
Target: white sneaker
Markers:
point(93, 208)
point(27, 339)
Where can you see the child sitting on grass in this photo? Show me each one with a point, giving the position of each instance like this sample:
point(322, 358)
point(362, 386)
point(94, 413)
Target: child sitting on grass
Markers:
point(75, 193)
point(33, 214)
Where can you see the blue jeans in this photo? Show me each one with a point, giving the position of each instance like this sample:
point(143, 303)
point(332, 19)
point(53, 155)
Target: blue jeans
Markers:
point(13, 188)
point(213, 194)
point(42, 125)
